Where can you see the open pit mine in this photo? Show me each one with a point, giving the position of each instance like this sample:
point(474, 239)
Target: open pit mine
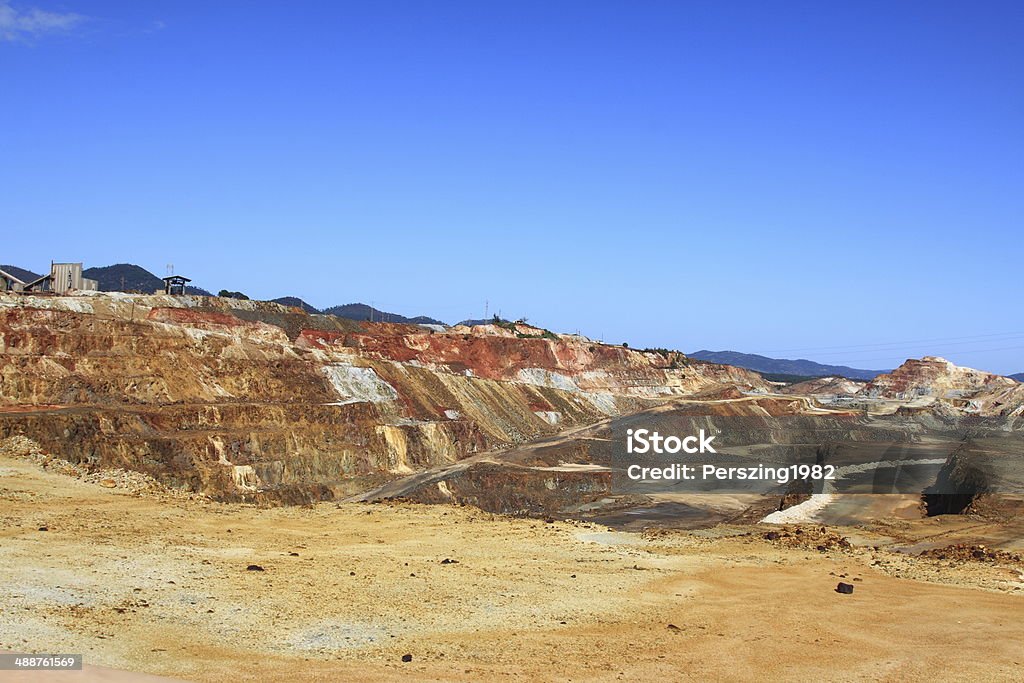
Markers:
point(252, 401)
point(187, 482)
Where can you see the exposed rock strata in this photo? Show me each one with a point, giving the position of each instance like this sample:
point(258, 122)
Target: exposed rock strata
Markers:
point(257, 401)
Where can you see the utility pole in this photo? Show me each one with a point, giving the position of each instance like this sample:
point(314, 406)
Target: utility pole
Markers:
point(487, 304)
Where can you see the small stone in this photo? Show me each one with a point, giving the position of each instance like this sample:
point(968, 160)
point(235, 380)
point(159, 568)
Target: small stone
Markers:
point(406, 658)
point(254, 568)
point(844, 588)
point(448, 561)
point(44, 528)
point(673, 627)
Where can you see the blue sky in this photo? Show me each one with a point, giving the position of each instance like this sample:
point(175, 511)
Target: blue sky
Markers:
point(838, 181)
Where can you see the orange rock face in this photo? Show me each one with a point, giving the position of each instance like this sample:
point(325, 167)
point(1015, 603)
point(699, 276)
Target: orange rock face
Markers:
point(250, 400)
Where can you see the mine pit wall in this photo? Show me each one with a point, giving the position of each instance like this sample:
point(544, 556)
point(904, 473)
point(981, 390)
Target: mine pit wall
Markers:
point(60, 357)
point(337, 449)
point(341, 447)
point(982, 477)
point(506, 412)
point(233, 400)
point(297, 451)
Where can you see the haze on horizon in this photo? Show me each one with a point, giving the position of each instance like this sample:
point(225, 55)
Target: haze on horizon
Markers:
point(835, 183)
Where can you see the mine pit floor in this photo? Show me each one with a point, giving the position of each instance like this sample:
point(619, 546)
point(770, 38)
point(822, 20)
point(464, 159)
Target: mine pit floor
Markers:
point(159, 585)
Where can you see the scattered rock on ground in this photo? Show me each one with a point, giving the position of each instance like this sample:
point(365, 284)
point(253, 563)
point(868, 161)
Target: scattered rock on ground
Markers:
point(965, 552)
point(819, 538)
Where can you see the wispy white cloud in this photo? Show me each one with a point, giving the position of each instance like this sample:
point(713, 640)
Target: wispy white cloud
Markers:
point(32, 22)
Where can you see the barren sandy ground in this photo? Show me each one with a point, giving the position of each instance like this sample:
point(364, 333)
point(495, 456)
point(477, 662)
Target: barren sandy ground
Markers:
point(161, 586)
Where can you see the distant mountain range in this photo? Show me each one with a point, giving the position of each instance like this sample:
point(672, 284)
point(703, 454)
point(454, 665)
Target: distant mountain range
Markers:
point(782, 366)
point(357, 311)
point(296, 302)
point(364, 312)
point(21, 273)
point(122, 277)
point(126, 276)
point(1019, 377)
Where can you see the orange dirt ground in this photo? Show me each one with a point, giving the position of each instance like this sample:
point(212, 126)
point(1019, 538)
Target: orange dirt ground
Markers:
point(154, 584)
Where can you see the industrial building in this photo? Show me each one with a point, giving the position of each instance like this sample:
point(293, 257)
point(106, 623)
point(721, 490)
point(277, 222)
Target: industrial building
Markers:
point(10, 283)
point(63, 278)
point(175, 284)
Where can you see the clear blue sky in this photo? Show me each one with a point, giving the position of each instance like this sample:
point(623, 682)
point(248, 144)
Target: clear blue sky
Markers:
point(765, 177)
